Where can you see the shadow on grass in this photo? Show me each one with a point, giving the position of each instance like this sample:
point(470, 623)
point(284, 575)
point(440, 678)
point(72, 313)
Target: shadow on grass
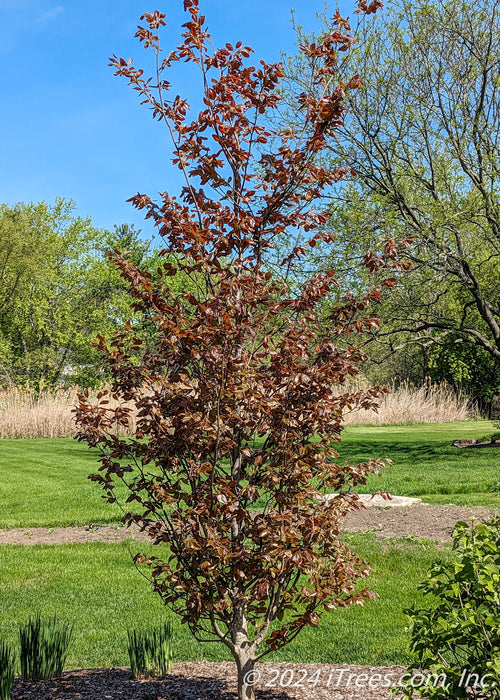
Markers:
point(407, 451)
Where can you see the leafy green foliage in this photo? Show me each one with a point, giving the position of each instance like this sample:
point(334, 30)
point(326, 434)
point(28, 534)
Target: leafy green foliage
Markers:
point(58, 290)
point(7, 670)
point(458, 636)
point(150, 651)
point(464, 365)
point(44, 647)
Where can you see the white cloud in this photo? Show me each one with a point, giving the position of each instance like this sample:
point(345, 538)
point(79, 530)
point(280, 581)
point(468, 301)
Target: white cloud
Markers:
point(16, 16)
point(30, 10)
point(50, 14)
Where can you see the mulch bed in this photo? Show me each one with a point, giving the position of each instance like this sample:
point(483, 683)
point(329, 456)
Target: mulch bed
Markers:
point(204, 680)
point(473, 444)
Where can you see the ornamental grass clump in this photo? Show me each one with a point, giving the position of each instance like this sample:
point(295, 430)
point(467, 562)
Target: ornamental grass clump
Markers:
point(150, 651)
point(7, 669)
point(44, 647)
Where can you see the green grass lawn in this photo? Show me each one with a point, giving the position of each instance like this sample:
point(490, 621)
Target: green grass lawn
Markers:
point(426, 464)
point(96, 587)
point(43, 482)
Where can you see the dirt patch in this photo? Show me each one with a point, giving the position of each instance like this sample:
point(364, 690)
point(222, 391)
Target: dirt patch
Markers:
point(204, 680)
point(433, 522)
point(67, 535)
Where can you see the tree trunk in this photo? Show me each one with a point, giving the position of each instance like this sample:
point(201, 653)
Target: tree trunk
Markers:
point(246, 677)
point(243, 654)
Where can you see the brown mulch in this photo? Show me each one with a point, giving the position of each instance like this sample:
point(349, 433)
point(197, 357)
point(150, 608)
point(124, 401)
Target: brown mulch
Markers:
point(203, 680)
point(433, 522)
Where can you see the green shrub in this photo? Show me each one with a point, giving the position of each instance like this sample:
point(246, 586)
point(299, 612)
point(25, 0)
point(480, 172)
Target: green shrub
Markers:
point(44, 647)
point(457, 639)
point(150, 652)
point(7, 668)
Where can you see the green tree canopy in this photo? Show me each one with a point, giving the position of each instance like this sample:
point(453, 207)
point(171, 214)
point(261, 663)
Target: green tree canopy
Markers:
point(423, 139)
point(57, 290)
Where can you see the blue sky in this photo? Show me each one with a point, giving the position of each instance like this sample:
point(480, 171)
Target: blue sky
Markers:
point(69, 128)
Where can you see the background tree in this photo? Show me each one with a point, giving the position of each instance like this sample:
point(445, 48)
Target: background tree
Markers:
point(423, 138)
point(233, 453)
point(126, 238)
point(57, 290)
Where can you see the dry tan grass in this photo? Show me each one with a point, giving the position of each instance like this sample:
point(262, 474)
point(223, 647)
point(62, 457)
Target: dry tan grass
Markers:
point(406, 404)
point(26, 413)
point(30, 413)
